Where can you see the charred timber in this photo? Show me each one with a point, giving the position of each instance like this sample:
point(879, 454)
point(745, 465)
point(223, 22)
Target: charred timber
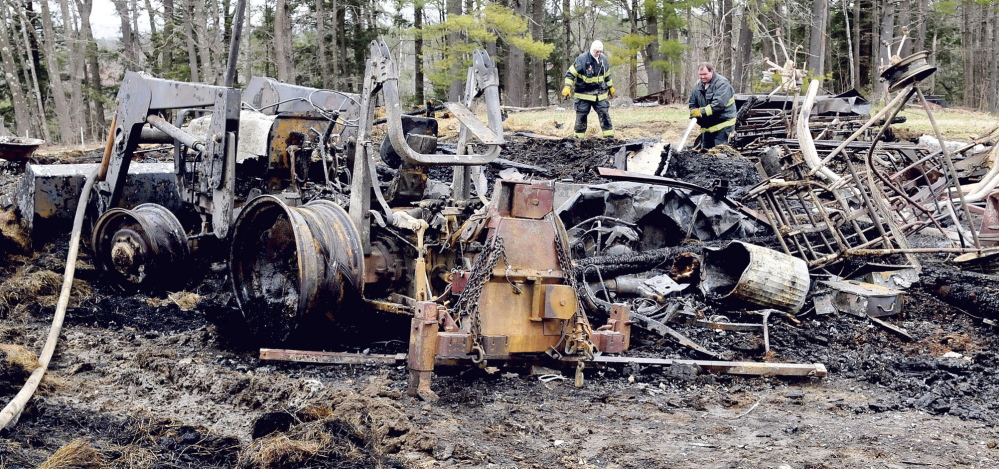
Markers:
point(631, 263)
point(970, 291)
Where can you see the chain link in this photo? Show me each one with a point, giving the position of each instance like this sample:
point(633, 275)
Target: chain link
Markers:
point(578, 340)
point(467, 305)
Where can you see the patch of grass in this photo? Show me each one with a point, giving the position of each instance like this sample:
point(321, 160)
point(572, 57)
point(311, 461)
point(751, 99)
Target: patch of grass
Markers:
point(955, 124)
point(629, 122)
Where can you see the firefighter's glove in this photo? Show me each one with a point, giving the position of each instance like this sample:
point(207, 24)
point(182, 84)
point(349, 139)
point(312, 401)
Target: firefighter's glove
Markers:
point(566, 91)
point(613, 92)
point(695, 113)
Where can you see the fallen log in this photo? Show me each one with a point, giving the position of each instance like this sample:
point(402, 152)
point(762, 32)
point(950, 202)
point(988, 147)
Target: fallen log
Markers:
point(970, 291)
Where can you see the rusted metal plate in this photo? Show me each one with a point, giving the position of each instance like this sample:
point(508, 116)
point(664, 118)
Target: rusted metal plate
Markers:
point(496, 346)
point(478, 128)
point(453, 344)
point(609, 341)
point(560, 302)
point(532, 201)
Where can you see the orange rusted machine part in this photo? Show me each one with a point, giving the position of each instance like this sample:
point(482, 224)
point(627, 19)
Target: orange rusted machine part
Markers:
point(520, 300)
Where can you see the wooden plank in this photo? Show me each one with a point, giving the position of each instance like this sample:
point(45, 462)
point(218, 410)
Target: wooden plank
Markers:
point(734, 368)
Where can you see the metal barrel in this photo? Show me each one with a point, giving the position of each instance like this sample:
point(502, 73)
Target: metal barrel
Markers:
point(291, 264)
point(142, 247)
point(755, 274)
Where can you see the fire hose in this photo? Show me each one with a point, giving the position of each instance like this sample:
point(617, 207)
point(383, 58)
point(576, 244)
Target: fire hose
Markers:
point(12, 411)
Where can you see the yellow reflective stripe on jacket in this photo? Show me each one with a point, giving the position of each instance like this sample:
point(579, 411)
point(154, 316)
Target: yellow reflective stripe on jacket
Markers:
point(569, 82)
point(718, 127)
point(596, 79)
point(708, 110)
point(730, 102)
point(590, 97)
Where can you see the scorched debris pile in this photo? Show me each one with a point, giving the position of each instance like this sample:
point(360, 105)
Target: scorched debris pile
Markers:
point(815, 244)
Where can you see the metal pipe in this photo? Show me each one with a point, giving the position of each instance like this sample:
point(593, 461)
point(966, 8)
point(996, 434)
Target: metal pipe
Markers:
point(177, 134)
point(949, 162)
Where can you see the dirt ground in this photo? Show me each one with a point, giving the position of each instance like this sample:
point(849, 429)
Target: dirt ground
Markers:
point(166, 381)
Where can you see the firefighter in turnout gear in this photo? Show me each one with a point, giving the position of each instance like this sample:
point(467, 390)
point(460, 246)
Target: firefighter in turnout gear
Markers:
point(712, 103)
point(590, 78)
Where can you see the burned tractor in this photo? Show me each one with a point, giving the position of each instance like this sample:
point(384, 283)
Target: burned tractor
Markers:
point(286, 177)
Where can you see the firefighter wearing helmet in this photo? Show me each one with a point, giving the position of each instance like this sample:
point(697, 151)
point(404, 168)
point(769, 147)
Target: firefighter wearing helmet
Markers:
point(588, 80)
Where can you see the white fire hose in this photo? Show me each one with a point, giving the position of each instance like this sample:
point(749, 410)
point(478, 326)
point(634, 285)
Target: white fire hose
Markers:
point(13, 410)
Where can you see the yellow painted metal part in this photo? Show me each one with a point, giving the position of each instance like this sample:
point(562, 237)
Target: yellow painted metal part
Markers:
point(526, 300)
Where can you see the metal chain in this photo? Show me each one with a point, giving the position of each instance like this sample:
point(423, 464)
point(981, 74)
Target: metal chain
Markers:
point(577, 341)
point(468, 303)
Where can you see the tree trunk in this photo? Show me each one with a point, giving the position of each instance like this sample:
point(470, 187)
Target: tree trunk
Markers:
point(515, 84)
point(94, 70)
point(76, 65)
point(418, 77)
point(155, 58)
point(632, 10)
point(652, 55)
point(904, 19)
point(204, 44)
point(884, 48)
point(966, 55)
point(22, 113)
point(455, 89)
point(849, 46)
point(336, 42)
point(726, 39)
point(324, 63)
point(994, 65)
point(30, 66)
point(281, 52)
point(63, 116)
point(168, 25)
point(743, 70)
point(192, 53)
point(919, 42)
point(567, 57)
point(817, 41)
point(127, 39)
point(855, 56)
point(539, 81)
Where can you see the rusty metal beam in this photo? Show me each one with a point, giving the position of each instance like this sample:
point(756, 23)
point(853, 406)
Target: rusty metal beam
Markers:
point(734, 368)
point(728, 367)
point(331, 358)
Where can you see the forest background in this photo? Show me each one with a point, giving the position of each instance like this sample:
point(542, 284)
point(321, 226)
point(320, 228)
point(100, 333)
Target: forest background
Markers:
point(60, 79)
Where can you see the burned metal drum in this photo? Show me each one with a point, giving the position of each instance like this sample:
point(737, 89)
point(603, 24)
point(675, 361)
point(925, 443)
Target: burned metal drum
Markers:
point(292, 264)
point(142, 247)
point(18, 148)
point(755, 274)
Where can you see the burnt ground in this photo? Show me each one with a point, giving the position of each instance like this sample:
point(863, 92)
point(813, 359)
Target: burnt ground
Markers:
point(164, 381)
